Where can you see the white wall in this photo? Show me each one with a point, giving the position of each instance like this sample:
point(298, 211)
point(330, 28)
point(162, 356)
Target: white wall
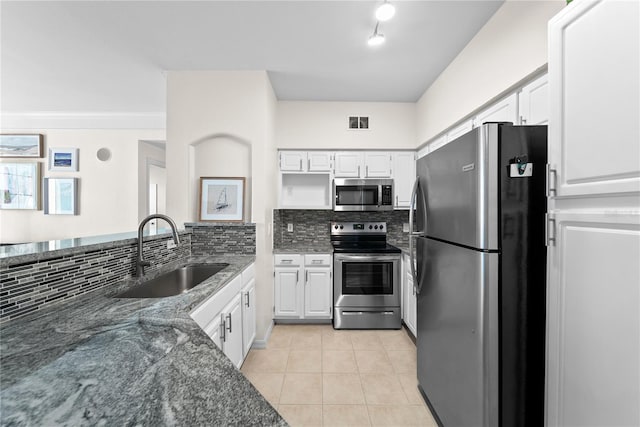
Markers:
point(510, 47)
point(108, 196)
point(325, 125)
point(219, 105)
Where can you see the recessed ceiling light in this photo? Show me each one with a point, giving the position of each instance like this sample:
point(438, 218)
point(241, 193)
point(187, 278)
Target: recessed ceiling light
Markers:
point(385, 11)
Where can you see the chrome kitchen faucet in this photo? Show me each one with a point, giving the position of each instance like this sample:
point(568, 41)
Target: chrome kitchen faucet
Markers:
point(140, 262)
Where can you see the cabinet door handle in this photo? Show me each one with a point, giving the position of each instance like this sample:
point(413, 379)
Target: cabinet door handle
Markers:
point(316, 261)
point(229, 327)
point(366, 171)
point(308, 164)
point(248, 303)
point(286, 261)
point(358, 171)
point(306, 276)
point(223, 334)
point(396, 200)
point(300, 164)
point(297, 276)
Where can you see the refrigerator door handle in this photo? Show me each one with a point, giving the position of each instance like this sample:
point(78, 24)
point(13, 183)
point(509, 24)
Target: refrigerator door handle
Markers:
point(412, 234)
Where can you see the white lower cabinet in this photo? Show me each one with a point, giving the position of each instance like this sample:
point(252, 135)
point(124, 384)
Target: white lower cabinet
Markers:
point(303, 286)
point(409, 298)
point(228, 317)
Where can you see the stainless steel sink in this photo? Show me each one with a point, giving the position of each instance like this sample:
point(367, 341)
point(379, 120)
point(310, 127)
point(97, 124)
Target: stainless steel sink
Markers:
point(174, 282)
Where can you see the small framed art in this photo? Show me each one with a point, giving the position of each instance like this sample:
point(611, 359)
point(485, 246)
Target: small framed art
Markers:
point(19, 145)
point(63, 159)
point(222, 199)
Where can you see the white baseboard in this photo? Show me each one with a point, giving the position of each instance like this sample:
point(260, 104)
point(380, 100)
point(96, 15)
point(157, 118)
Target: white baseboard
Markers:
point(262, 344)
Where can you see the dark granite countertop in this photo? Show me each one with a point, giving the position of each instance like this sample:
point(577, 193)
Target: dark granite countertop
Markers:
point(97, 360)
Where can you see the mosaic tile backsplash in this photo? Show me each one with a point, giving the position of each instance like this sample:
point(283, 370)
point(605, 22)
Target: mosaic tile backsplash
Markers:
point(30, 286)
point(312, 226)
point(224, 239)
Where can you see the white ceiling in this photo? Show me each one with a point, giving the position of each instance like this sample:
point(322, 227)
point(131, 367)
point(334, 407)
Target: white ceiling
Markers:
point(111, 56)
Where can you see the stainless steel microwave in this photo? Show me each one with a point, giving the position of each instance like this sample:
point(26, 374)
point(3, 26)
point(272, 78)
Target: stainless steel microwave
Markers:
point(352, 194)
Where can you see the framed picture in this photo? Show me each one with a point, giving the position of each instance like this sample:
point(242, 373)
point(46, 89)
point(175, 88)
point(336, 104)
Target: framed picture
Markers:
point(63, 159)
point(61, 196)
point(15, 145)
point(19, 186)
point(222, 199)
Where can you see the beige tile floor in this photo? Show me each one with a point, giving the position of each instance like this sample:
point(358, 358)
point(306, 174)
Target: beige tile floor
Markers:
point(317, 376)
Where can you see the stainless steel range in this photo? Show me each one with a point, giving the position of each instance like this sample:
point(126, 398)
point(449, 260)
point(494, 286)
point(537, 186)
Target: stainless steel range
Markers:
point(366, 277)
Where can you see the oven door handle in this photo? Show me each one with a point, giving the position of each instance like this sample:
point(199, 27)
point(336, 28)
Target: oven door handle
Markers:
point(368, 258)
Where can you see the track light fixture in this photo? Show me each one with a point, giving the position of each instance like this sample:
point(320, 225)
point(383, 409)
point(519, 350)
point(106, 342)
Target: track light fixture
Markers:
point(385, 11)
point(376, 38)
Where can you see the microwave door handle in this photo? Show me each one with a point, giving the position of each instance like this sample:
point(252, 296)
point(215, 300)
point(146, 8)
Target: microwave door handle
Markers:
point(379, 195)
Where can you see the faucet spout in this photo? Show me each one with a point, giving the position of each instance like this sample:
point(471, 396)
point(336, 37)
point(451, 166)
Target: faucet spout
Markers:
point(140, 261)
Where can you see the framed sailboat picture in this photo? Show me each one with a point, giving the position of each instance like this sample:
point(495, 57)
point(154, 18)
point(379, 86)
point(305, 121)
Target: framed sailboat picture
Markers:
point(222, 199)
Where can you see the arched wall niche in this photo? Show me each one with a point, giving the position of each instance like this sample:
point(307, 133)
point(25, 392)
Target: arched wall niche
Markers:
point(220, 155)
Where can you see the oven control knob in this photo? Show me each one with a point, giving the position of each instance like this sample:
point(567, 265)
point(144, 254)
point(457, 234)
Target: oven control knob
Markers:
point(341, 227)
point(381, 226)
point(335, 226)
point(370, 227)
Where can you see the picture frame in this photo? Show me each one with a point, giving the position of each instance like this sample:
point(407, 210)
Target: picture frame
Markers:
point(222, 199)
point(63, 159)
point(21, 145)
point(20, 186)
point(61, 196)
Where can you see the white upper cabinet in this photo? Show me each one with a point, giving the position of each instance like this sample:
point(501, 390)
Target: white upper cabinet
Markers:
point(594, 85)
point(319, 161)
point(294, 161)
point(404, 174)
point(533, 102)
point(377, 164)
point(505, 110)
point(459, 130)
point(348, 164)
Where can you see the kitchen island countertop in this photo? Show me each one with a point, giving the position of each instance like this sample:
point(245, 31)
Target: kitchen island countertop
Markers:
point(98, 360)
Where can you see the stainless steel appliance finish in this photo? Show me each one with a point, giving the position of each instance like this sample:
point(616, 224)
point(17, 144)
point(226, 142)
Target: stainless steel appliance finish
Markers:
point(174, 282)
point(480, 277)
point(366, 277)
point(352, 194)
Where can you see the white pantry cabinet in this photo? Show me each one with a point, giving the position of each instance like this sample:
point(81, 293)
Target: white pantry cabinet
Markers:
point(224, 320)
point(303, 286)
point(593, 237)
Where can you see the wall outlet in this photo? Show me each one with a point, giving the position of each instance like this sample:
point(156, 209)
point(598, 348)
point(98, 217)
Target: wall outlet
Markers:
point(405, 227)
point(171, 244)
point(289, 227)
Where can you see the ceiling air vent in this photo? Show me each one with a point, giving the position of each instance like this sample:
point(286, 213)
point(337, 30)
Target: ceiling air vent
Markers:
point(356, 122)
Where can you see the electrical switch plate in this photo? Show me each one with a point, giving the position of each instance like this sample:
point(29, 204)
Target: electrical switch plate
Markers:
point(171, 244)
point(289, 227)
point(405, 227)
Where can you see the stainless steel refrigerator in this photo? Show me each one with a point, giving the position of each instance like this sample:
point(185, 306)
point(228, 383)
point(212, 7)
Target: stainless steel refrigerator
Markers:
point(478, 230)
